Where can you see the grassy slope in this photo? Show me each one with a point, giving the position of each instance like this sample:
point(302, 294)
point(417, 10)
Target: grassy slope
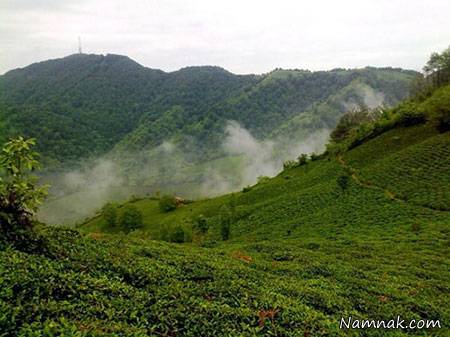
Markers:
point(300, 247)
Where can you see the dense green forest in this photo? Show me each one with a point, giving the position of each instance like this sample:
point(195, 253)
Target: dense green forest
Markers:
point(361, 230)
point(83, 106)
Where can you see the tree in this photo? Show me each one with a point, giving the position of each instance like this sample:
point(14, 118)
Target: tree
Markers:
point(438, 67)
point(20, 195)
point(351, 120)
point(434, 64)
point(110, 214)
point(130, 219)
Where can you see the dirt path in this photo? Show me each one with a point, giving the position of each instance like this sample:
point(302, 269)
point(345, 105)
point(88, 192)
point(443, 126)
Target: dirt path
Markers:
point(359, 181)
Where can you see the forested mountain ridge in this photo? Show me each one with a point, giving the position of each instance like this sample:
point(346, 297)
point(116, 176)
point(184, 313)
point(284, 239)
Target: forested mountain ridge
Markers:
point(86, 105)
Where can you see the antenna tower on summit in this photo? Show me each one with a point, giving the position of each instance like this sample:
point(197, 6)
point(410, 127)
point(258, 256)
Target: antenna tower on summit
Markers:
point(79, 46)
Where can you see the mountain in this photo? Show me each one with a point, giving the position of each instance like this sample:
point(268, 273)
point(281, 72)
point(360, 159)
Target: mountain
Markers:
point(107, 127)
point(84, 106)
point(359, 231)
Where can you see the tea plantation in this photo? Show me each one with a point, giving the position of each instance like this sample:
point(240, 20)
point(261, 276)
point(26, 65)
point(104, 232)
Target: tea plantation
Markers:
point(419, 174)
point(365, 235)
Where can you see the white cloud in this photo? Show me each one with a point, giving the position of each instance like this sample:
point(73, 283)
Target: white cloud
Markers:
point(242, 36)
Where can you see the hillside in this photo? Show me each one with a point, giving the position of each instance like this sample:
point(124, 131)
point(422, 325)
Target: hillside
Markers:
point(82, 105)
point(362, 233)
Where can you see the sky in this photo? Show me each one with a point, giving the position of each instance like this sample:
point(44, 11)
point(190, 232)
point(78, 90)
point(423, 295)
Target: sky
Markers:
point(242, 36)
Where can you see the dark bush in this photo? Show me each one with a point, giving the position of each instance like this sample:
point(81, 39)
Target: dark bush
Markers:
point(225, 223)
point(343, 181)
point(201, 224)
point(130, 219)
point(110, 215)
point(177, 235)
point(246, 189)
point(225, 230)
point(302, 159)
point(167, 203)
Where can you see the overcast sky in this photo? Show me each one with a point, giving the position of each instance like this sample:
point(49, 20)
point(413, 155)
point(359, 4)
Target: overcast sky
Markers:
point(243, 36)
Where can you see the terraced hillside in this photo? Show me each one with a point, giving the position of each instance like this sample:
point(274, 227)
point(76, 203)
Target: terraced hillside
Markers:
point(411, 155)
point(364, 234)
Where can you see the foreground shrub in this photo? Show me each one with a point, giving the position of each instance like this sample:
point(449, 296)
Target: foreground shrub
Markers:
point(20, 196)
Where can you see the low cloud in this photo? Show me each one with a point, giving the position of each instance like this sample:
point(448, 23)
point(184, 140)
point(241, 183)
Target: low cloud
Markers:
point(259, 157)
point(79, 193)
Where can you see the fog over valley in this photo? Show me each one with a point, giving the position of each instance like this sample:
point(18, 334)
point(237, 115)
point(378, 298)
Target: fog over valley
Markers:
point(79, 193)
